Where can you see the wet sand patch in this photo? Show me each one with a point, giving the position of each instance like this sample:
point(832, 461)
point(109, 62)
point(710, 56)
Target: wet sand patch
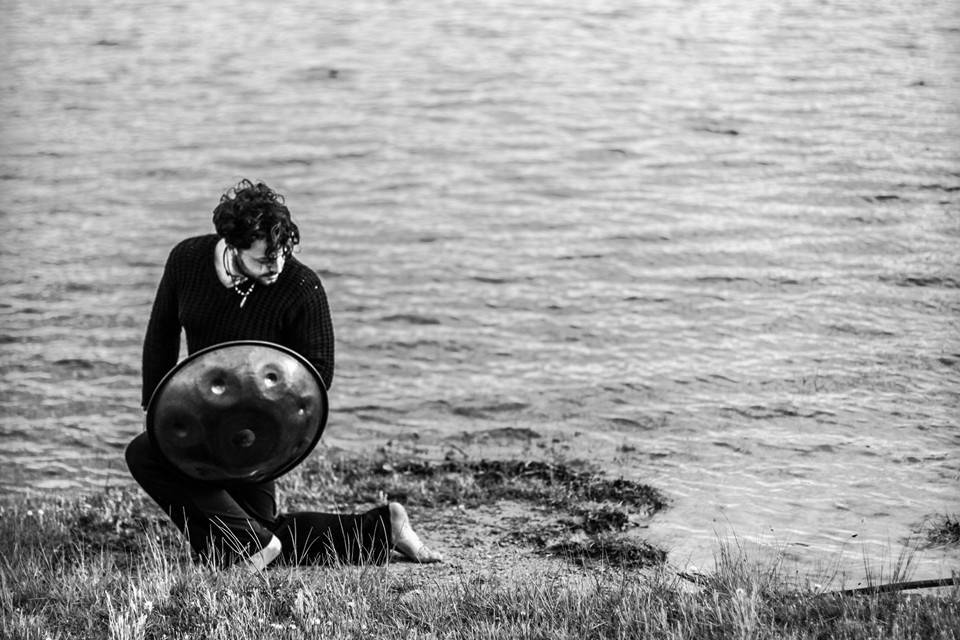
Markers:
point(473, 508)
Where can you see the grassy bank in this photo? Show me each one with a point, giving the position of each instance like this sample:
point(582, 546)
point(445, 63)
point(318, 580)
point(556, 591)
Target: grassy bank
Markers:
point(535, 550)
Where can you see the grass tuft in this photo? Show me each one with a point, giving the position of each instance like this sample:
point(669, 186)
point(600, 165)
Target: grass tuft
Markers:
point(943, 531)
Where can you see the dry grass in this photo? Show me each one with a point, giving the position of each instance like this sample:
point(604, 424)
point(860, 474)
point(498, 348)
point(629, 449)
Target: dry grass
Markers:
point(109, 566)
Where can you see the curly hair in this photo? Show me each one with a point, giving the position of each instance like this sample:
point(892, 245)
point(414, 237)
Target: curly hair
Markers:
point(249, 212)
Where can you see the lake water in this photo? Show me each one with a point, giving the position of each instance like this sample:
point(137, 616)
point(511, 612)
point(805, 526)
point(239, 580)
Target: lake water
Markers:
point(713, 246)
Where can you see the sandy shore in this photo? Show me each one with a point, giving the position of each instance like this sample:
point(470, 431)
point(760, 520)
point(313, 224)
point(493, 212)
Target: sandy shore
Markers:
point(484, 507)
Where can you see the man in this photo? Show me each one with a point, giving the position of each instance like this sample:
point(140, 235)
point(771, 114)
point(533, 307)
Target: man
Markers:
point(243, 283)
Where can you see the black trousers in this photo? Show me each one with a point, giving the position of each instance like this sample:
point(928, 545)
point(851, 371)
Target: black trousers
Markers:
point(224, 525)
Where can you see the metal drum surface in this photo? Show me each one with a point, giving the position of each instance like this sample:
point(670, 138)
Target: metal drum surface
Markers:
point(238, 412)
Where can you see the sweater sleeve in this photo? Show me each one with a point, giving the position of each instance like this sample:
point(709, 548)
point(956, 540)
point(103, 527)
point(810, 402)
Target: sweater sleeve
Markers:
point(161, 346)
point(311, 332)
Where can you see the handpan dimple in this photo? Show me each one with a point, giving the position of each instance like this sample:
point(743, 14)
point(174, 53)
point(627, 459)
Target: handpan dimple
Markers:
point(244, 438)
point(238, 412)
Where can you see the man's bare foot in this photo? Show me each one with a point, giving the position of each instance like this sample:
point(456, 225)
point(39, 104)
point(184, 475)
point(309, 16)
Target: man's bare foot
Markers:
point(406, 540)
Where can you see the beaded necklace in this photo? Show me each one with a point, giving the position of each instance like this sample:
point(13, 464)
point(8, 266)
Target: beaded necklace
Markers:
point(244, 294)
point(237, 281)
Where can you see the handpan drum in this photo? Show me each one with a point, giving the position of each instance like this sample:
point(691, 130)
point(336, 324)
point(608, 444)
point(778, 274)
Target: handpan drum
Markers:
point(238, 413)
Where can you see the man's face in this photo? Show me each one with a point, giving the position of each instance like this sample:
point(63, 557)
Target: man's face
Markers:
point(254, 263)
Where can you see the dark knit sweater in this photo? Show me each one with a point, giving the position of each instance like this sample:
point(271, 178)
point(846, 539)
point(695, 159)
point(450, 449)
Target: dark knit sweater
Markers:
point(292, 312)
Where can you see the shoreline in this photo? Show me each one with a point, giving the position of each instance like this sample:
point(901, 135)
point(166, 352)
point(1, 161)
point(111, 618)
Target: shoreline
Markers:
point(538, 502)
point(532, 549)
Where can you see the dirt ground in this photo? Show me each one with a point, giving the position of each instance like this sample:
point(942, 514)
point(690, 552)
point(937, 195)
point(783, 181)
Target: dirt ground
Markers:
point(494, 507)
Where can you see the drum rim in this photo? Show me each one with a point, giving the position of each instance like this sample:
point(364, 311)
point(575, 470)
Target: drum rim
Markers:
point(151, 406)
